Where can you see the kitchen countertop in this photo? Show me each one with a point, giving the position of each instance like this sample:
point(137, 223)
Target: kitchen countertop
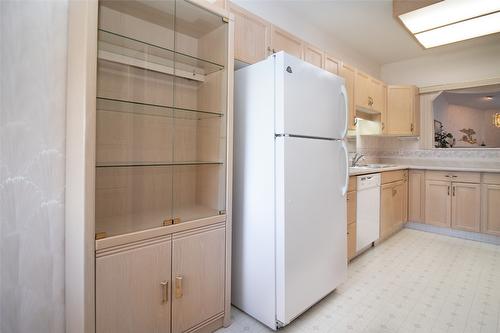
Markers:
point(365, 171)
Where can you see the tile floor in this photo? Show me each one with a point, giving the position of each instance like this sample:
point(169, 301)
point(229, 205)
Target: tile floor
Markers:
point(414, 282)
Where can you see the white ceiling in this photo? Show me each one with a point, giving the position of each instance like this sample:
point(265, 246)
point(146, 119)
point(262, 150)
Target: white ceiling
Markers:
point(474, 100)
point(368, 27)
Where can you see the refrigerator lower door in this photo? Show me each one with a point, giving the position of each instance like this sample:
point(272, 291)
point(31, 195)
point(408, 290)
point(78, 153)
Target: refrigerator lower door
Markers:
point(309, 100)
point(311, 232)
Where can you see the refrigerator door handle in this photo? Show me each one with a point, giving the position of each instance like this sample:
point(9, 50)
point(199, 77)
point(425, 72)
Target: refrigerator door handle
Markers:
point(343, 92)
point(346, 170)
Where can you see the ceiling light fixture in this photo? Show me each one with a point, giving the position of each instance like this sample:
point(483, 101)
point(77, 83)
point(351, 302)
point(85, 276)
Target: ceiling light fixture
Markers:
point(450, 21)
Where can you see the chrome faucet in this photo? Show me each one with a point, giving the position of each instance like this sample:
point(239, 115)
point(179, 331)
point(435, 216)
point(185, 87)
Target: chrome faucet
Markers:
point(356, 158)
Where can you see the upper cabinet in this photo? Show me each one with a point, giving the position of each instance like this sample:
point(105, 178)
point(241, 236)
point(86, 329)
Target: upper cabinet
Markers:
point(402, 111)
point(284, 41)
point(314, 55)
point(331, 64)
point(369, 93)
point(252, 36)
point(348, 73)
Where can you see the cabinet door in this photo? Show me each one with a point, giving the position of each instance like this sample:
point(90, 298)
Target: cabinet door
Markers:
point(283, 41)
point(361, 92)
point(416, 190)
point(251, 36)
point(466, 206)
point(348, 73)
point(491, 209)
point(351, 241)
point(332, 65)
point(400, 110)
point(314, 55)
point(438, 203)
point(399, 205)
point(386, 210)
point(351, 207)
point(376, 93)
point(198, 276)
point(132, 290)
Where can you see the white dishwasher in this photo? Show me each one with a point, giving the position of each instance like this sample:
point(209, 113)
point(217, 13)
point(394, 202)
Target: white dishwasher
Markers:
point(368, 210)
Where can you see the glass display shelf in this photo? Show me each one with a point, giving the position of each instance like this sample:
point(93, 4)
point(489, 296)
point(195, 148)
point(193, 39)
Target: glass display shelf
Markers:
point(154, 164)
point(129, 51)
point(116, 105)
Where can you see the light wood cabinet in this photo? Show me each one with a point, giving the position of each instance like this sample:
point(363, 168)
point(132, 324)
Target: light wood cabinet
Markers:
point(197, 277)
point(362, 91)
point(332, 64)
point(402, 116)
point(466, 206)
point(351, 241)
point(284, 41)
point(377, 93)
point(314, 56)
point(438, 203)
point(491, 209)
point(252, 35)
point(416, 196)
point(351, 207)
point(392, 207)
point(349, 73)
point(133, 289)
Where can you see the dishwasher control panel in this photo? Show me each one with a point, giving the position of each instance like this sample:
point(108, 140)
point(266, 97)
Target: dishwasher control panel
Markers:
point(368, 181)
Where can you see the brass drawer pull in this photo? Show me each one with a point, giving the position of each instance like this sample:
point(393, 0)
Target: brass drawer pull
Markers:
point(178, 287)
point(164, 289)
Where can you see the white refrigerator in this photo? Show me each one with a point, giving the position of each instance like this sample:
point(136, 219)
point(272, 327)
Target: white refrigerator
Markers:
point(290, 183)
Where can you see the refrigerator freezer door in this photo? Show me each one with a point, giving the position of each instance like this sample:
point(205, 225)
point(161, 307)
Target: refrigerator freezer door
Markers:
point(309, 100)
point(311, 223)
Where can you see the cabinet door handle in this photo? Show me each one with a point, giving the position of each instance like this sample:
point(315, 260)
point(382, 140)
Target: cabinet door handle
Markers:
point(412, 127)
point(454, 176)
point(453, 190)
point(164, 291)
point(178, 287)
point(448, 189)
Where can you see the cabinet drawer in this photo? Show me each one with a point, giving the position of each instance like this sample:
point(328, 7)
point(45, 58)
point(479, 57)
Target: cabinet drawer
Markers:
point(491, 178)
point(456, 176)
point(394, 176)
point(352, 183)
point(351, 207)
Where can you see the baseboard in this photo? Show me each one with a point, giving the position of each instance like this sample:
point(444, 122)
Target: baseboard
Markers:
point(474, 236)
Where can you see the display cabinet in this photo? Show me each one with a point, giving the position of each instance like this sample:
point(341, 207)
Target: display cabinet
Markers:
point(162, 166)
point(161, 131)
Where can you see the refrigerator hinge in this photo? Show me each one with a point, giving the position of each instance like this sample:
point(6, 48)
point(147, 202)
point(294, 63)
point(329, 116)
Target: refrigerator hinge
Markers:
point(279, 324)
point(281, 135)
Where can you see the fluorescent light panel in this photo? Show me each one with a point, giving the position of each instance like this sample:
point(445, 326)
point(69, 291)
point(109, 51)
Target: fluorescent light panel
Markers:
point(479, 26)
point(447, 12)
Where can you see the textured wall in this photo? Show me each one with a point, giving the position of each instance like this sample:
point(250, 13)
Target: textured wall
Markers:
point(32, 143)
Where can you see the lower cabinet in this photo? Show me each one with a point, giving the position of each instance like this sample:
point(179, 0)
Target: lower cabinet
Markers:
point(491, 209)
point(453, 204)
point(466, 206)
point(416, 198)
point(175, 284)
point(351, 240)
point(393, 205)
point(133, 289)
point(438, 203)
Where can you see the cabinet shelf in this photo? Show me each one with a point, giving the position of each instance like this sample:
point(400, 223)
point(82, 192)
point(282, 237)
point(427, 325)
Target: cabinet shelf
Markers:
point(154, 164)
point(128, 51)
point(116, 105)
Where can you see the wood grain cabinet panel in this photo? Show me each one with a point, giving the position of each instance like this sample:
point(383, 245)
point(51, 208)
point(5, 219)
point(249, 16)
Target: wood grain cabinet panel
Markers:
point(351, 207)
point(331, 64)
point(284, 41)
point(402, 111)
point(132, 289)
point(351, 241)
point(314, 55)
point(362, 90)
point(491, 209)
point(386, 210)
point(198, 268)
point(348, 73)
point(376, 91)
point(251, 36)
point(416, 196)
point(438, 203)
point(466, 206)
